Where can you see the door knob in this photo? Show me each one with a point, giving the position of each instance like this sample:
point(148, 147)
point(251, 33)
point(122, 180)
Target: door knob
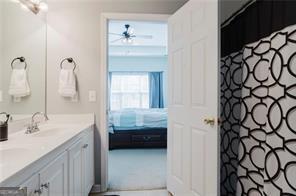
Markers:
point(209, 121)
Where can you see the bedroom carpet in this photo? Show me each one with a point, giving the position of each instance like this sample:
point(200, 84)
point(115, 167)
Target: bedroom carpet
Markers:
point(137, 169)
point(136, 193)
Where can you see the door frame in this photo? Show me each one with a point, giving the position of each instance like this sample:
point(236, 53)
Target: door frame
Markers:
point(103, 125)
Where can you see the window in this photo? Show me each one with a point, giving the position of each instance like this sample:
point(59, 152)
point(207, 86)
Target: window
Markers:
point(129, 90)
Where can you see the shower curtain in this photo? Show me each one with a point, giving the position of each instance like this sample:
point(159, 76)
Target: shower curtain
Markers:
point(258, 149)
point(258, 113)
point(267, 147)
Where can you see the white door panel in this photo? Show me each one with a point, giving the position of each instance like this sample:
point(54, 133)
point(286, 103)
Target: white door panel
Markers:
point(54, 177)
point(193, 97)
point(75, 169)
point(32, 185)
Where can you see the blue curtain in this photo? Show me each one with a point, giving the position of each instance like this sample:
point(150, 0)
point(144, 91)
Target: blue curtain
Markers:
point(156, 89)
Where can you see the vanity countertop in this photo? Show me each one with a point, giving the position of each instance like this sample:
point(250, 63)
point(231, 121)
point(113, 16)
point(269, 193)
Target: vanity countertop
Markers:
point(22, 150)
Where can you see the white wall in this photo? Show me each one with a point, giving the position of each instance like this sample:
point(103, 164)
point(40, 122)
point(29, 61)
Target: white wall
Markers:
point(142, 64)
point(74, 31)
point(1, 54)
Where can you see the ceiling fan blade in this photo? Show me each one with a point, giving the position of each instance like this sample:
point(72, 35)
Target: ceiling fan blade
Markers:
point(115, 34)
point(145, 36)
point(116, 40)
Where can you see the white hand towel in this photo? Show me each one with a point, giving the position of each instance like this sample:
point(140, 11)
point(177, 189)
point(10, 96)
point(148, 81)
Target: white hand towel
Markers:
point(19, 85)
point(67, 83)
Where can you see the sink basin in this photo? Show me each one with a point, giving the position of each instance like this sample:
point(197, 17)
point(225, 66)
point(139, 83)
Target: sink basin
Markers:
point(12, 152)
point(47, 133)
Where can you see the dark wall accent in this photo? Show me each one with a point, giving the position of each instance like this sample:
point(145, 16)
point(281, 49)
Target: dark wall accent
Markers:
point(259, 20)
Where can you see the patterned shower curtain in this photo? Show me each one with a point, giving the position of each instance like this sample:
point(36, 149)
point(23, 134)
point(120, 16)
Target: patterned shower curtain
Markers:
point(258, 147)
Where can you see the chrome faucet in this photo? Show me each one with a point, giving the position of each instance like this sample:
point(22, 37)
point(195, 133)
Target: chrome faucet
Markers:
point(33, 127)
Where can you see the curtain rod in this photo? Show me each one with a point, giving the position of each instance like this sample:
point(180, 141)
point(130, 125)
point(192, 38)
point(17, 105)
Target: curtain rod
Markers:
point(235, 14)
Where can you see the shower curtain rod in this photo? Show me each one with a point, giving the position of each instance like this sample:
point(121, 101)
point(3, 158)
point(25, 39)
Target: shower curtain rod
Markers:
point(235, 14)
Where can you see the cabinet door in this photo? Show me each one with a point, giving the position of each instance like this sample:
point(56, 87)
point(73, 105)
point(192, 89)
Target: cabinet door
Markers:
point(32, 185)
point(75, 169)
point(88, 162)
point(54, 177)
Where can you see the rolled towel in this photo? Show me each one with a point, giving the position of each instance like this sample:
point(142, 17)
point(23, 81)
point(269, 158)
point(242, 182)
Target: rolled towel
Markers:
point(19, 85)
point(67, 83)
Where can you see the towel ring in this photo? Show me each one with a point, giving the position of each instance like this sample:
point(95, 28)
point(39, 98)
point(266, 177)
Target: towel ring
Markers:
point(70, 60)
point(21, 59)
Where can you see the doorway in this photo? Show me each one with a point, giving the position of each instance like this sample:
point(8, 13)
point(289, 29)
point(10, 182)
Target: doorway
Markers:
point(135, 126)
point(137, 104)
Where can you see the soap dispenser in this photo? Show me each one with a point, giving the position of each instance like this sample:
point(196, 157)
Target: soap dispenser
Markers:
point(4, 127)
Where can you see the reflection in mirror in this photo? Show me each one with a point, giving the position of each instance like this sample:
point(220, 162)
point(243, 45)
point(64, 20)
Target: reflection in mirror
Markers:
point(22, 59)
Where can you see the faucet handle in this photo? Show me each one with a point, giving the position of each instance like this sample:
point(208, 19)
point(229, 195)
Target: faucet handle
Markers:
point(28, 128)
point(31, 128)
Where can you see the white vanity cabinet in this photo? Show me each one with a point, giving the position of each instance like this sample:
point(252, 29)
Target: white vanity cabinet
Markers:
point(69, 173)
point(88, 162)
point(52, 180)
point(54, 177)
point(32, 184)
point(75, 168)
point(81, 166)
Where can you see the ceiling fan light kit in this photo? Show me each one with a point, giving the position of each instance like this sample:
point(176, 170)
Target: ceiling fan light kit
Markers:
point(127, 41)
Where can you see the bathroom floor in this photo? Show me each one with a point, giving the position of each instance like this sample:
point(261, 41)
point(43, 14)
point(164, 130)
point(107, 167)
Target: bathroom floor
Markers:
point(135, 193)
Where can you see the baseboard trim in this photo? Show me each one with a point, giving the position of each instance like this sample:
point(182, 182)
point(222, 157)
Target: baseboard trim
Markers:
point(96, 188)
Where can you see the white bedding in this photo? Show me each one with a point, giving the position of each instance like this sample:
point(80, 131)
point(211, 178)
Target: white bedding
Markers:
point(129, 119)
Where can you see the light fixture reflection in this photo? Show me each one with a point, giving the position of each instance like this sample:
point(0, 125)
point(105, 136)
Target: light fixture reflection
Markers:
point(34, 5)
point(43, 6)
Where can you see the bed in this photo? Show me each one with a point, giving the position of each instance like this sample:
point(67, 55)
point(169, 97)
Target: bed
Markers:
point(138, 128)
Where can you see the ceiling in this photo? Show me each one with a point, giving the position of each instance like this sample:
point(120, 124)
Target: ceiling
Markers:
point(157, 46)
point(228, 7)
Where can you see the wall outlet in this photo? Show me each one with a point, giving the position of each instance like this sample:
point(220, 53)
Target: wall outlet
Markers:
point(92, 96)
point(17, 99)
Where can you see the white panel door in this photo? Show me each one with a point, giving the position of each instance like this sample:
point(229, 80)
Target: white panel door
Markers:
point(75, 169)
point(193, 100)
point(54, 177)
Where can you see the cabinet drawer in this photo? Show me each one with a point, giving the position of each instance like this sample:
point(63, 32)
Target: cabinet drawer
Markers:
point(145, 138)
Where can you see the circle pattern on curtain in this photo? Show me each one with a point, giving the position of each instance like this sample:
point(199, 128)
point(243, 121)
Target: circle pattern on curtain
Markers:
point(266, 156)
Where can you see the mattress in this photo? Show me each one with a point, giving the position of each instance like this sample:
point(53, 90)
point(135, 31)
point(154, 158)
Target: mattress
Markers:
point(136, 119)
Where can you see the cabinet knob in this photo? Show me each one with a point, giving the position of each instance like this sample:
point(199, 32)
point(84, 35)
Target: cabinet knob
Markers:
point(85, 145)
point(45, 185)
point(39, 191)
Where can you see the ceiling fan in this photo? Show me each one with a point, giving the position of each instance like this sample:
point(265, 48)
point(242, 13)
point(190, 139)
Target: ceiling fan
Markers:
point(127, 37)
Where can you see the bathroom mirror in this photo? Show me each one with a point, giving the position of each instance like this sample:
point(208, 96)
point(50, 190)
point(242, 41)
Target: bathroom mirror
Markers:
point(22, 59)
